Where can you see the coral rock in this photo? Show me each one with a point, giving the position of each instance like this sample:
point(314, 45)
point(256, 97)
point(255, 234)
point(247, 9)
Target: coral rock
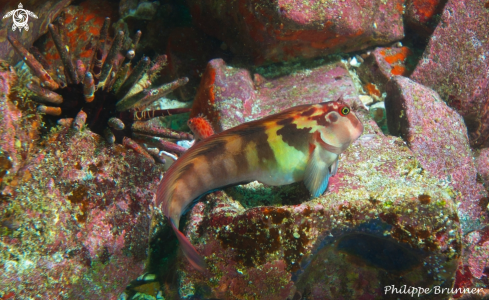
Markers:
point(83, 214)
point(10, 116)
point(482, 164)
point(380, 66)
point(405, 222)
point(288, 29)
point(438, 137)
point(422, 15)
point(229, 96)
point(80, 27)
point(457, 68)
point(18, 133)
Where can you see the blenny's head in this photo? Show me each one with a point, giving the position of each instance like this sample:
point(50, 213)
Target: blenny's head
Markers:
point(341, 126)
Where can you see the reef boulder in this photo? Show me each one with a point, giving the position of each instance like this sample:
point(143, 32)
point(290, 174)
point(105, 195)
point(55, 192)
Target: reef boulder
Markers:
point(423, 15)
point(482, 164)
point(272, 31)
point(455, 64)
point(438, 138)
point(75, 219)
point(381, 65)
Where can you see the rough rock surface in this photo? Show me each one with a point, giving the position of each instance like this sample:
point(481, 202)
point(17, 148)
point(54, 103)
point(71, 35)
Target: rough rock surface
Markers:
point(80, 27)
point(455, 64)
point(75, 220)
point(438, 138)
point(288, 29)
point(20, 124)
point(380, 199)
point(46, 11)
point(380, 66)
point(10, 116)
point(229, 96)
point(482, 164)
point(423, 15)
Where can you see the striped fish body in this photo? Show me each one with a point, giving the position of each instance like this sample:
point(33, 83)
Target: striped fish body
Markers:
point(301, 143)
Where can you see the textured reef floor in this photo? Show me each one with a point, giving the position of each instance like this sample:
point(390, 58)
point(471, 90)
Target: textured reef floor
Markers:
point(94, 104)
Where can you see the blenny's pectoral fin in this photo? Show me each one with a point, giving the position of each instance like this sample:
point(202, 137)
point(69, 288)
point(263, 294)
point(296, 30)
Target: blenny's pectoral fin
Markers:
point(334, 167)
point(190, 252)
point(316, 176)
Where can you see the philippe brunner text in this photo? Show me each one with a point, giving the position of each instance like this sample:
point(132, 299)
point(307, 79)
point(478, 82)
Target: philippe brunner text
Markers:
point(436, 290)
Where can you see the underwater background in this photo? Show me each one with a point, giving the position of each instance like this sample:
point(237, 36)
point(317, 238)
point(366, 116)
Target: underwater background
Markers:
point(98, 98)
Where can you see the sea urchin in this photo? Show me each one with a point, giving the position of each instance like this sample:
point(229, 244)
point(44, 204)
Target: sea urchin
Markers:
point(107, 95)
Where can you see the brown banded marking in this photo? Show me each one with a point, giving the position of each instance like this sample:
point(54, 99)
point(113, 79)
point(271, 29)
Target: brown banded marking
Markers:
point(180, 194)
point(235, 148)
point(258, 136)
point(294, 136)
point(248, 133)
point(201, 173)
point(320, 119)
point(309, 112)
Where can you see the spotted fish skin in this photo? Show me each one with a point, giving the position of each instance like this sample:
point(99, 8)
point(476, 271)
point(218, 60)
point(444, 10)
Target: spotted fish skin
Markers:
point(300, 143)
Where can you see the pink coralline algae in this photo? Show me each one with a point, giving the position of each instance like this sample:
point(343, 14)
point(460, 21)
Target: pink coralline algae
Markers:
point(423, 15)
point(229, 96)
point(381, 199)
point(418, 114)
point(455, 65)
point(11, 122)
point(82, 212)
point(482, 164)
point(287, 29)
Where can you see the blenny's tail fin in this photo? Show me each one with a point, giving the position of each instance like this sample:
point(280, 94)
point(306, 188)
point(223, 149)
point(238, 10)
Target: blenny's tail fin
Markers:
point(190, 252)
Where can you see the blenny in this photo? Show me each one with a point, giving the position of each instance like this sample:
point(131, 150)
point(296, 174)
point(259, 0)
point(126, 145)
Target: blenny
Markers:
point(300, 143)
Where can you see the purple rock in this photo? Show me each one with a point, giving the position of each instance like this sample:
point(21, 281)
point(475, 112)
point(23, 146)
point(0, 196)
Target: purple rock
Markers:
point(286, 29)
point(455, 64)
point(82, 212)
point(482, 164)
point(229, 96)
point(11, 120)
point(438, 137)
point(380, 66)
point(422, 15)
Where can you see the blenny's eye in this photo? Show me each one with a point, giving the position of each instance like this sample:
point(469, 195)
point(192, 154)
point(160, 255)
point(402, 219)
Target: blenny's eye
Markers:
point(345, 110)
